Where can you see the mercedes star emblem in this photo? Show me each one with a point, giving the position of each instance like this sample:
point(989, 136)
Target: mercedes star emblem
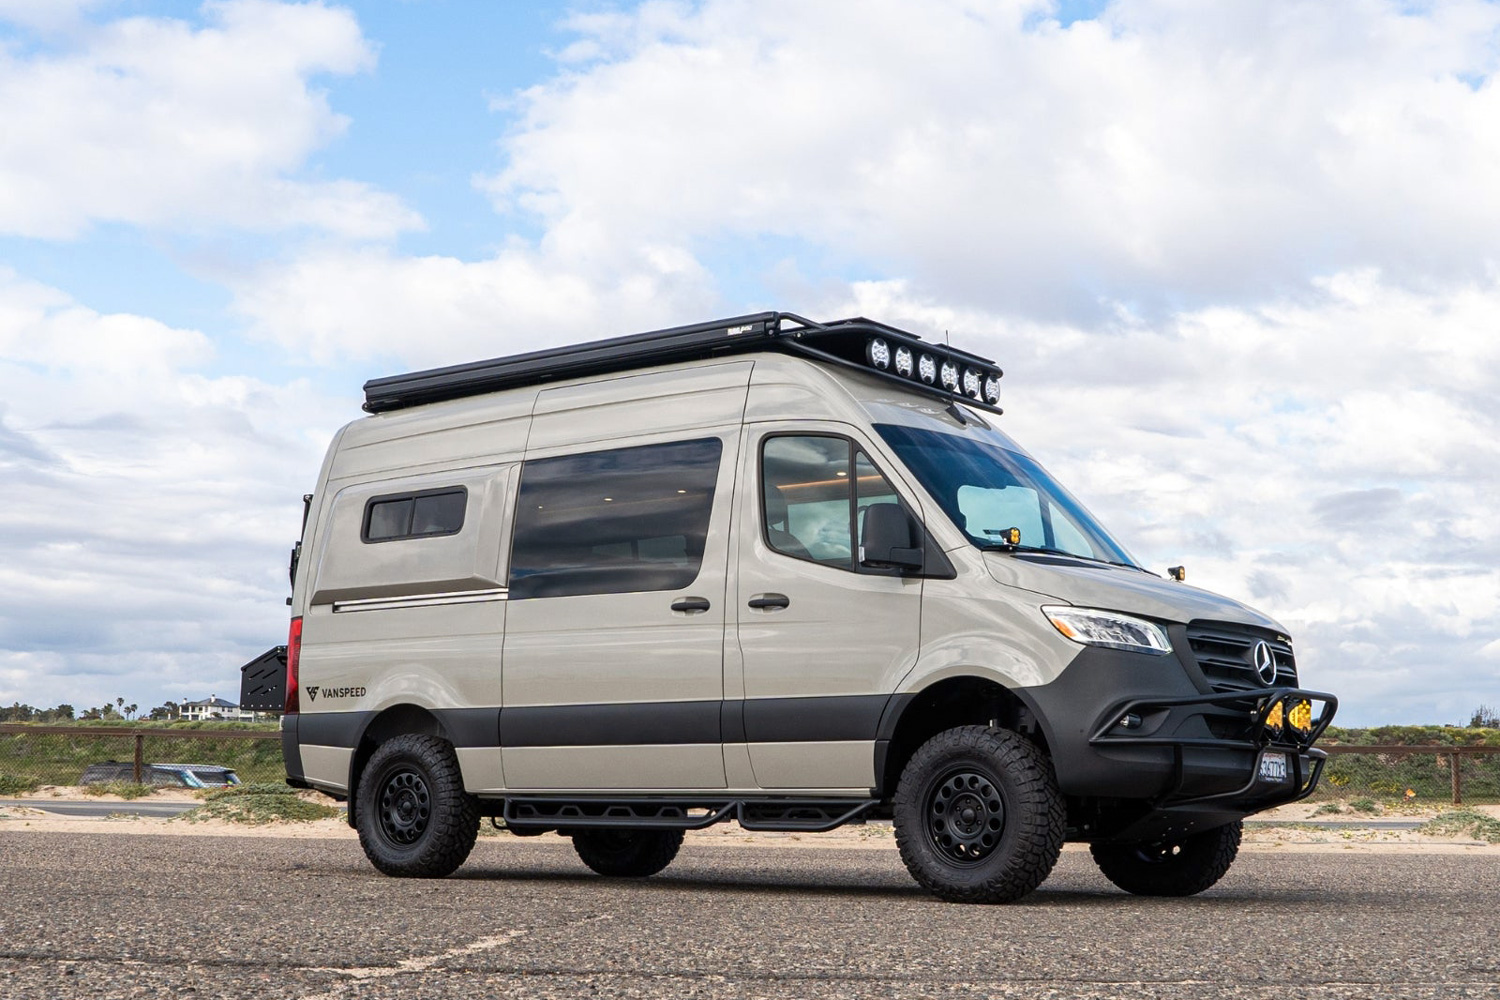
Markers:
point(1265, 663)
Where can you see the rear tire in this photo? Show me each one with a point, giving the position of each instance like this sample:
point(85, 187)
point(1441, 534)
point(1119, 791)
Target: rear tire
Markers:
point(1182, 866)
point(627, 853)
point(415, 819)
point(978, 815)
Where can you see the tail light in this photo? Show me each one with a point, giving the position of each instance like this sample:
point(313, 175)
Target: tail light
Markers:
point(293, 653)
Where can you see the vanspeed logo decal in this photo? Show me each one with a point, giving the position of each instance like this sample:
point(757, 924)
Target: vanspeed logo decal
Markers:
point(313, 690)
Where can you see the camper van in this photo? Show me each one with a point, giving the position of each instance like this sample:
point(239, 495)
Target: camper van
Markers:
point(772, 571)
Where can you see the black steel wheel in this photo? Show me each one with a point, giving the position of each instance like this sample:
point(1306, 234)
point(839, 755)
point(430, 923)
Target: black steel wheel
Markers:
point(978, 815)
point(414, 817)
point(1176, 866)
point(623, 853)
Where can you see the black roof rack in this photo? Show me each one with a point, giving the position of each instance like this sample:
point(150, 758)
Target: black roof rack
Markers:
point(845, 342)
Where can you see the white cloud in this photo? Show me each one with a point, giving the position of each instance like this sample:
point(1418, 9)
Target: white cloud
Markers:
point(427, 311)
point(158, 123)
point(1165, 152)
point(145, 508)
point(1332, 458)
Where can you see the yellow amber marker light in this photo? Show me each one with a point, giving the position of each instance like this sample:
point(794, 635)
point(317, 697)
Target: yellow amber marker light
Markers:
point(1011, 536)
point(1273, 721)
point(1301, 716)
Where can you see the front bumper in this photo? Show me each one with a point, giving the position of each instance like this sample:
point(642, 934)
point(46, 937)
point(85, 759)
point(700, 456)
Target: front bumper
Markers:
point(1221, 778)
point(1187, 760)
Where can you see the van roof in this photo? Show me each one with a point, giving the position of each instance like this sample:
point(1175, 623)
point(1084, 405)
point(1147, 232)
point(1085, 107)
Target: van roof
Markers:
point(871, 347)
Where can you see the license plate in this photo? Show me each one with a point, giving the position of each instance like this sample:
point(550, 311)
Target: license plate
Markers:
point(1273, 767)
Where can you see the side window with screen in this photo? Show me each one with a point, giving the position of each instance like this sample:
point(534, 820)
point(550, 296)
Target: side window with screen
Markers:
point(624, 521)
point(813, 508)
point(414, 515)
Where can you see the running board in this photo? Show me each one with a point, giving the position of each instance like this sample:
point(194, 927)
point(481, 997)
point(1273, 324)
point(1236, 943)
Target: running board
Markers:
point(796, 815)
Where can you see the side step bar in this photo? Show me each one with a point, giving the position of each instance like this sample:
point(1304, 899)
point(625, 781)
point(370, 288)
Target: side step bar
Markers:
point(537, 814)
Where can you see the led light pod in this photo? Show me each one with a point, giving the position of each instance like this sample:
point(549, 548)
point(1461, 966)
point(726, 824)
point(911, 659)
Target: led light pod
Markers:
point(973, 384)
point(904, 362)
point(927, 369)
point(1275, 720)
point(1300, 717)
point(879, 353)
point(992, 389)
point(949, 375)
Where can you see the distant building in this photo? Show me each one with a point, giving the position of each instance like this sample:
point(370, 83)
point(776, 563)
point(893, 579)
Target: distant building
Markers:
point(214, 707)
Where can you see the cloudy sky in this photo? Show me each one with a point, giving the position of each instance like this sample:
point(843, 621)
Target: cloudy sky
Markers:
point(1240, 261)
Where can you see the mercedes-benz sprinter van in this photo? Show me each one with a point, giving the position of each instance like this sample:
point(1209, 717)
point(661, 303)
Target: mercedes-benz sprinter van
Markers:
point(786, 573)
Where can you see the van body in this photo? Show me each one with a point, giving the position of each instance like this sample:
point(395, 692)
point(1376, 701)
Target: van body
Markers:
point(763, 570)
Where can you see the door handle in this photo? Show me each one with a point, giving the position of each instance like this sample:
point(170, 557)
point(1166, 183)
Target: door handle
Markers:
point(691, 604)
point(765, 602)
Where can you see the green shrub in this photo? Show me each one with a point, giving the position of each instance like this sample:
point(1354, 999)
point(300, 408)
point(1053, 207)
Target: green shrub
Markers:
point(1364, 806)
point(1463, 822)
point(258, 804)
point(15, 784)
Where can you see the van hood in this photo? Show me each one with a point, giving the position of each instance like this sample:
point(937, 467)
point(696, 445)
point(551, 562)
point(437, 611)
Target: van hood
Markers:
point(1118, 588)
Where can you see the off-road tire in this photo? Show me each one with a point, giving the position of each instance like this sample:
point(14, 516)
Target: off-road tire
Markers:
point(627, 853)
point(1182, 866)
point(978, 815)
point(415, 819)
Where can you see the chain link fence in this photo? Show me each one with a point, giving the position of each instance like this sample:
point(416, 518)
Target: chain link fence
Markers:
point(1420, 775)
point(32, 756)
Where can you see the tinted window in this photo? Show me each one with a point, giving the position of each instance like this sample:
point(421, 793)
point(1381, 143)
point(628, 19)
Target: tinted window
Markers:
point(614, 522)
point(813, 507)
point(415, 515)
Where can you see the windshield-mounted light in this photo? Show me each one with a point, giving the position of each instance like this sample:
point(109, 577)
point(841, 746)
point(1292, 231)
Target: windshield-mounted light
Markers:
point(1092, 627)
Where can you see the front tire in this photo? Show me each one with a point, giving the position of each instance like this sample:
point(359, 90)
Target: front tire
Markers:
point(1182, 866)
point(415, 819)
point(627, 853)
point(978, 815)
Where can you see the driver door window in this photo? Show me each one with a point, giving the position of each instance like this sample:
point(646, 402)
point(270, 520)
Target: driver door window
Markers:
point(814, 509)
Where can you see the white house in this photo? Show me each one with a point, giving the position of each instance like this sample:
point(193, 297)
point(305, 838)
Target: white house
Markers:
point(214, 707)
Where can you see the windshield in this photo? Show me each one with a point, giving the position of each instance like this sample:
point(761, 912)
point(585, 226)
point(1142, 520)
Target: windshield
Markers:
point(987, 489)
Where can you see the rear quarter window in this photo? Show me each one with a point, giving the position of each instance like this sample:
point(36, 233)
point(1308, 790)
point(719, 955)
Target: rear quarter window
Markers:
point(414, 515)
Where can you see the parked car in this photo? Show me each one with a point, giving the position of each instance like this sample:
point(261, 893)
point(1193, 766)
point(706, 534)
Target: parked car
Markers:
point(113, 771)
point(202, 775)
point(160, 775)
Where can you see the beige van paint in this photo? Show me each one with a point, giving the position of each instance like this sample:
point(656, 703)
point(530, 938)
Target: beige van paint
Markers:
point(630, 648)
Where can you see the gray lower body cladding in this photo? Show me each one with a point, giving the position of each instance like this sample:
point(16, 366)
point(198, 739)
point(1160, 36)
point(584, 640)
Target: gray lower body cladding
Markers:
point(1195, 750)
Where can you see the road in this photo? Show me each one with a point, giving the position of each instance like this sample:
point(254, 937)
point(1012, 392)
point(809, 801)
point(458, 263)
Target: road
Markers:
point(96, 809)
point(163, 916)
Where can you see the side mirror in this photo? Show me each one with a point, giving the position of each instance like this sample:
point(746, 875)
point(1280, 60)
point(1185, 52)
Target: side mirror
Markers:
point(887, 537)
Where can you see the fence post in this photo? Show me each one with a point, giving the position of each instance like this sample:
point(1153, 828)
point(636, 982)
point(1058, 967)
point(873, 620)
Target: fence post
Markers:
point(1458, 781)
point(140, 752)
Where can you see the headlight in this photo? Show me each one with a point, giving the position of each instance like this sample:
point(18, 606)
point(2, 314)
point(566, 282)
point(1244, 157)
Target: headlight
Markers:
point(1108, 628)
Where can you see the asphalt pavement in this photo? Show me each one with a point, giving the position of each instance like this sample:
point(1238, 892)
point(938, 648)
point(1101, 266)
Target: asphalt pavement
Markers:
point(97, 809)
point(114, 915)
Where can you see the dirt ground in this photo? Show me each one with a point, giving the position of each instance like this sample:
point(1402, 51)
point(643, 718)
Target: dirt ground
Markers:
point(1289, 834)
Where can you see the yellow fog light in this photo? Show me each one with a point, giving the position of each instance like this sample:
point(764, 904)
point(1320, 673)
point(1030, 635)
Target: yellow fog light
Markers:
point(1274, 720)
point(1300, 717)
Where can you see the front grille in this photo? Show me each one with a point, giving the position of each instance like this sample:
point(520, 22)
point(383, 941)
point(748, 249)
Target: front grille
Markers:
point(1224, 653)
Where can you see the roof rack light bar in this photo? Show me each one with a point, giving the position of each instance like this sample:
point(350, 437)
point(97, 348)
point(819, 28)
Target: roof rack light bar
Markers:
point(871, 347)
